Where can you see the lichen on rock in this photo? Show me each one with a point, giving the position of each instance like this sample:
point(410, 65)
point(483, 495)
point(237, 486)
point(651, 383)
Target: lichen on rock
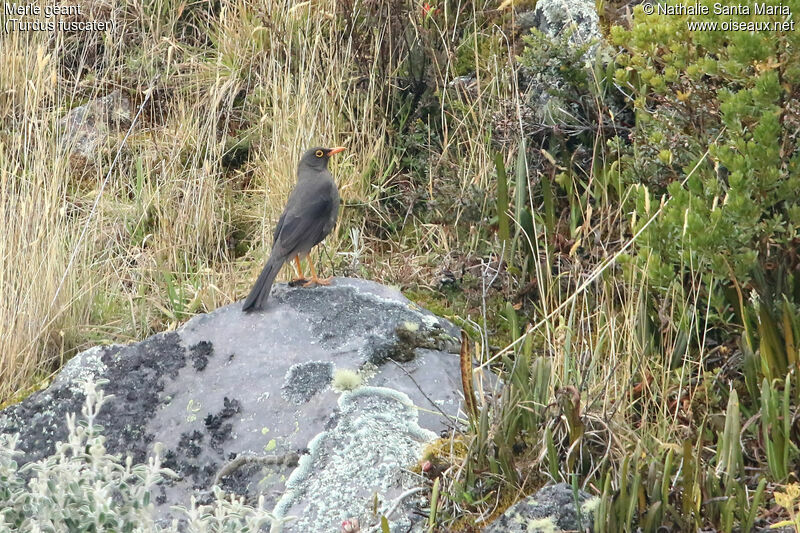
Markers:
point(375, 438)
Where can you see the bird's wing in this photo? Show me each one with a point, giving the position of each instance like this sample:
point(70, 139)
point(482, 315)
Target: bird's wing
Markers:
point(278, 228)
point(302, 224)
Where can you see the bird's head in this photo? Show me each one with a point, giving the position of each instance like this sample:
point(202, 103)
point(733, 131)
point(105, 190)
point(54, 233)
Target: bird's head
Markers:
point(317, 158)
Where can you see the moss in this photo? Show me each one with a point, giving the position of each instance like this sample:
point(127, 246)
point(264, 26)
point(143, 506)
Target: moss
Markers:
point(38, 381)
point(454, 448)
point(476, 52)
point(412, 335)
point(237, 150)
point(467, 522)
point(457, 303)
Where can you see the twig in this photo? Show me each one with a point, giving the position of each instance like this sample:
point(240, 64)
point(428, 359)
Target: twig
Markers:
point(449, 418)
point(288, 459)
point(397, 501)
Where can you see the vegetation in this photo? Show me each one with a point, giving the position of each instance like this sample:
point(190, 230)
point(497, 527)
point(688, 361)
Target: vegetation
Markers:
point(83, 488)
point(614, 224)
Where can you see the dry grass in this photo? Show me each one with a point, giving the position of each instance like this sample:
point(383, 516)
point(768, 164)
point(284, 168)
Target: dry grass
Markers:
point(42, 299)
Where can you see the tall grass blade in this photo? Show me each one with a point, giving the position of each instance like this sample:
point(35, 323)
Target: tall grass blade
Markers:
point(503, 226)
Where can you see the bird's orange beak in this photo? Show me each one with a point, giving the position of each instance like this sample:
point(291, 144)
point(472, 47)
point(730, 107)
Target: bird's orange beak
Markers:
point(336, 150)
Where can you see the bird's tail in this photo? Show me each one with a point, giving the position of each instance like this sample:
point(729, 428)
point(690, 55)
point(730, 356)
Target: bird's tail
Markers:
point(260, 292)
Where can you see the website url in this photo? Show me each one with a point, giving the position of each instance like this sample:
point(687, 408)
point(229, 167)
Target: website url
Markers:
point(737, 25)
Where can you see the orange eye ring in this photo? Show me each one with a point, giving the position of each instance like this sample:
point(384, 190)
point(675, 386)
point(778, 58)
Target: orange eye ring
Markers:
point(319, 153)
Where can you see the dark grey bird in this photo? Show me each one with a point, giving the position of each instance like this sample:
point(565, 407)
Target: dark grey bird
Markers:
point(309, 216)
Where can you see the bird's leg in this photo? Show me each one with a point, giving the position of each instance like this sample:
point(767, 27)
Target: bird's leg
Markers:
point(314, 279)
point(299, 278)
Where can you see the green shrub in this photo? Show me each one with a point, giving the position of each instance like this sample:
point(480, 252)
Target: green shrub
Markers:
point(714, 134)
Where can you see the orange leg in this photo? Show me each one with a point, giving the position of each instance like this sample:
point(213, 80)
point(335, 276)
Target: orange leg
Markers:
point(299, 276)
point(314, 279)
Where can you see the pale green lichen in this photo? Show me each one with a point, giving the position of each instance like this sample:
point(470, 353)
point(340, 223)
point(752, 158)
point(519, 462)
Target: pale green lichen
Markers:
point(374, 440)
point(345, 379)
point(590, 506)
point(543, 525)
point(85, 366)
point(411, 326)
point(429, 320)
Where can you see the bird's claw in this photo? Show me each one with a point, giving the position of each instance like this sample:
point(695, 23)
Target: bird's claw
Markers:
point(298, 281)
point(317, 281)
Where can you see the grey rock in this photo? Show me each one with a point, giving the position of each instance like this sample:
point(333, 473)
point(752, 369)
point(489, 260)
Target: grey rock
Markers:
point(240, 397)
point(86, 128)
point(525, 21)
point(575, 19)
point(569, 25)
point(552, 509)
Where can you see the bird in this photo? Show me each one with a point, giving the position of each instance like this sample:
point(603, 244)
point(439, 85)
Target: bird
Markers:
point(309, 216)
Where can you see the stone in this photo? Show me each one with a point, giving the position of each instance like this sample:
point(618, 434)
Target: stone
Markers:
point(245, 401)
point(87, 128)
point(577, 20)
point(565, 28)
point(552, 509)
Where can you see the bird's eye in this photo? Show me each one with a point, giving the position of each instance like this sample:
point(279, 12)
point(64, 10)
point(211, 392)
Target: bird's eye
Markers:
point(319, 153)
